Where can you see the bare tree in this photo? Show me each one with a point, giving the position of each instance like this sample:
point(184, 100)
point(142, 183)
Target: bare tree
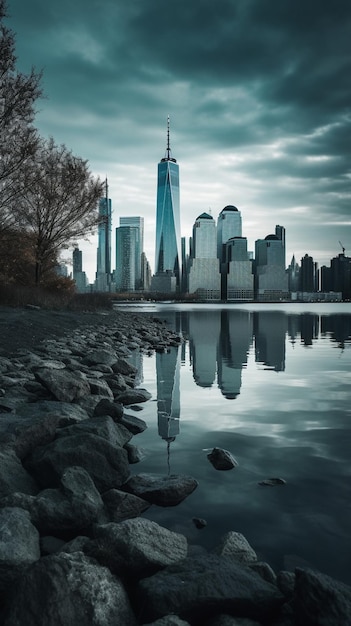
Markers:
point(18, 137)
point(59, 201)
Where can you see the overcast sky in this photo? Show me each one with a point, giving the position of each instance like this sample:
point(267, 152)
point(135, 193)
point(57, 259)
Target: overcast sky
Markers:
point(258, 93)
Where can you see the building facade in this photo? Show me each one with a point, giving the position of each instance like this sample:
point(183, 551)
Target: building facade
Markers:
point(126, 246)
point(103, 264)
point(228, 226)
point(237, 276)
point(168, 239)
point(271, 279)
point(138, 224)
point(204, 272)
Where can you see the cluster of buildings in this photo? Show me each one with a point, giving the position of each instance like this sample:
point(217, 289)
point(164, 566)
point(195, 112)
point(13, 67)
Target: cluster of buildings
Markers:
point(214, 264)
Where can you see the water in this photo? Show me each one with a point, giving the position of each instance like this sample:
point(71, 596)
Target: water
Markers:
point(271, 384)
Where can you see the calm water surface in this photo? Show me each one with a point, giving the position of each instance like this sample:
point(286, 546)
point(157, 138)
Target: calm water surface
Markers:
point(271, 384)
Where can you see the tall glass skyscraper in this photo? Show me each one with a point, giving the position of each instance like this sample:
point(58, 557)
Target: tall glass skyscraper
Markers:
point(168, 240)
point(104, 236)
point(138, 224)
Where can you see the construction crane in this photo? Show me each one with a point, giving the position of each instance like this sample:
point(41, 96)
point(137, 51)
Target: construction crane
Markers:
point(342, 247)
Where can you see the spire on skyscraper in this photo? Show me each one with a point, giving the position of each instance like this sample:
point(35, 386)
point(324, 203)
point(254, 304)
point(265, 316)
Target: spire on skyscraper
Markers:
point(168, 155)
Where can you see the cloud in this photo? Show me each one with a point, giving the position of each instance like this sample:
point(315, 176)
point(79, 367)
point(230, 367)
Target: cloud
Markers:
point(258, 94)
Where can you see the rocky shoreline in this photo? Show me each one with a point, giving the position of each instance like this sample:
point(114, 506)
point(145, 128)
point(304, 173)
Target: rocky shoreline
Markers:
point(74, 547)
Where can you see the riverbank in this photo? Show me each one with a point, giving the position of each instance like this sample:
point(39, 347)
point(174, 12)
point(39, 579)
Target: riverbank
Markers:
point(74, 547)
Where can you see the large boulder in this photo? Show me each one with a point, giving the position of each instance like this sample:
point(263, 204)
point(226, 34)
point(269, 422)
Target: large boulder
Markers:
point(138, 547)
point(13, 476)
point(134, 396)
point(162, 490)
point(122, 366)
point(120, 505)
point(103, 426)
point(65, 386)
point(68, 589)
point(19, 544)
point(133, 423)
point(206, 585)
point(101, 356)
point(73, 507)
point(100, 387)
point(320, 600)
point(107, 464)
point(108, 407)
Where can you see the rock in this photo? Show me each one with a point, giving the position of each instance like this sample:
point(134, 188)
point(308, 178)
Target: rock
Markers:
point(122, 366)
point(120, 505)
point(265, 571)
point(19, 544)
point(73, 507)
point(204, 586)
point(133, 423)
point(13, 476)
point(162, 490)
point(100, 387)
point(50, 545)
point(235, 545)
point(199, 522)
point(286, 583)
point(116, 383)
point(68, 589)
point(138, 547)
point(272, 482)
point(133, 396)
point(320, 600)
point(63, 384)
point(229, 620)
point(104, 426)
point(107, 407)
point(105, 463)
point(135, 454)
point(222, 459)
point(101, 357)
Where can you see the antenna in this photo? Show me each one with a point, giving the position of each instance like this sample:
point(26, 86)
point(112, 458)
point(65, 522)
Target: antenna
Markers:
point(168, 150)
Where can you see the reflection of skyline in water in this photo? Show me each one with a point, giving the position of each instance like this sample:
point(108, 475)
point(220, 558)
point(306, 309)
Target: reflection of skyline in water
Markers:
point(219, 345)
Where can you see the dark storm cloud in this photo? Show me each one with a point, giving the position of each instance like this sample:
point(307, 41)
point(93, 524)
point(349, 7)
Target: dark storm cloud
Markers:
point(258, 93)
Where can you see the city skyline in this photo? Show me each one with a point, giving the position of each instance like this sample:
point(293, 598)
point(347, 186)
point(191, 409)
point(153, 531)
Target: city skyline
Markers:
point(258, 97)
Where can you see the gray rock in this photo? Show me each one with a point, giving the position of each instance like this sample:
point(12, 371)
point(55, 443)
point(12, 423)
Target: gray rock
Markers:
point(105, 463)
point(272, 482)
point(265, 571)
point(120, 505)
point(286, 583)
point(116, 383)
point(19, 544)
point(205, 586)
point(321, 600)
point(89, 403)
point(229, 620)
point(135, 454)
point(75, 506)
point(133, 423)
point(68, 589)
point(133, 396)
point(138, 547)
point(101, 357)
point(104, 426)
point(107, 407)
point(100, 387)
point(122, 366)
point(235, 545)
point(64, 385)
point(162, 490)
point(222, 459)
point(13, 476)
point(50, 545)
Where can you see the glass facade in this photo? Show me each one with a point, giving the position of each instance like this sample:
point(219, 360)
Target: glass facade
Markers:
point(104, 237)
point(168, 240)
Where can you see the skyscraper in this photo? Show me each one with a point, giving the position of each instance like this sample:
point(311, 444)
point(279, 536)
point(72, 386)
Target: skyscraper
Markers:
point(126, 245)
point(168, 241)
point(138, 224)
point(204, 274)
point(228, 226)
point(103, 266)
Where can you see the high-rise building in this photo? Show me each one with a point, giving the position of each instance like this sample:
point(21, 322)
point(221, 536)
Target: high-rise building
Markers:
point(237, 276)
point(126, 245)
point(78, 275)
point(308, 275)
point(138, 224)
point(271, 280)
point(103, 266)
point(204, 274)
point(168, 240)
point(228, 226)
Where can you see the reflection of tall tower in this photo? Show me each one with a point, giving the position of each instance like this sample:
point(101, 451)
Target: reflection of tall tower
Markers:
point(204, 330)
point(168, 393)
point(233, 347)
point(270, 328)
point(168, 241)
